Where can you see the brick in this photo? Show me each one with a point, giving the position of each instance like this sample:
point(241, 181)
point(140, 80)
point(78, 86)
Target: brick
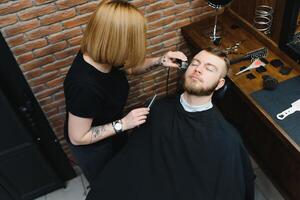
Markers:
point(142, 10)
point(161, 23)
point(182, 8)
point(57, 117)
point(53, 104)
point(59, 96)
point(208, 9)
point(171, 11)
point(50, 49)
point(187, 14)
point(7, 20)
point(37, 63)
point(25, 58)
point(57, 17)
point(159, 6)
point(153, 17)
point(176, 25)
point(83, 19)
point(87, 8)
point(21, 27)
point(64, 4)
point(35, 12)
point(64, 35)
point(33, 73)
point(62, 109)
point(59, 133)
point(58, 65)
point(181, 1)
point(14, 6)
point(153, 33)
point(83, 27)
point(177, 9)
point(138, 3)
point(198, 3)
point(30, 46)
point(154, 48)
point(66, 53)
point(171, 42)
point(75, 41)
point(57, 123)
point(38, 88)
point(148, 43)
point(148, 2)
point(51, 112)
point(43, 79)
point(163, 37)
point(45, 101)
point(55, 82)
point(64, 71)
point(39, 2)
point(44, 31)
point(16, 40)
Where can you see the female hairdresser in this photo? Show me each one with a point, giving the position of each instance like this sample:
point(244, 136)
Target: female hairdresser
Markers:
point(96, 87)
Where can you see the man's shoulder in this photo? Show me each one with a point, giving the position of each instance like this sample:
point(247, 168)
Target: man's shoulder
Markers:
point(164, 103)
point(228, 130)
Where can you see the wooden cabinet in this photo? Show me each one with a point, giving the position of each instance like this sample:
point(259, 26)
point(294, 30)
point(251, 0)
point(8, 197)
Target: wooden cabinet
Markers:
point(276, 153)
point(24, 171)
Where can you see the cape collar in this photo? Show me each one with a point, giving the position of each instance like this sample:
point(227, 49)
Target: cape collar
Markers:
point(189, 108)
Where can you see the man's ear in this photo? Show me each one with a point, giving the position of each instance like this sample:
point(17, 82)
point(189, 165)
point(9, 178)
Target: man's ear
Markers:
point(220, 84)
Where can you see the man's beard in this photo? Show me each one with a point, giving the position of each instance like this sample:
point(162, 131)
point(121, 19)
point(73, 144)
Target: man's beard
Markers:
point(198, 90)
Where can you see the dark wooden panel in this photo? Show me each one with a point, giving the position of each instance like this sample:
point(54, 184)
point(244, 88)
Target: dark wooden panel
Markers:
point(246, 9)
point(278, 160)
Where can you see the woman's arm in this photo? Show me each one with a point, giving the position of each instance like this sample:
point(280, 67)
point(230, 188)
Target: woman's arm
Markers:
point(82, 133)
point(167, 60)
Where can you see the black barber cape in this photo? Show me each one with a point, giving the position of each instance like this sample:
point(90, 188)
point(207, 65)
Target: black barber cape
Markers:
point(178, 155)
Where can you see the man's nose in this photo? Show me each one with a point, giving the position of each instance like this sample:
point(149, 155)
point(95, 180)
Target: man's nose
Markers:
point(199, 68)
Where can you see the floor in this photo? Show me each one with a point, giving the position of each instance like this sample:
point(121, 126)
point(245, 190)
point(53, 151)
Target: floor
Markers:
point(75, 190)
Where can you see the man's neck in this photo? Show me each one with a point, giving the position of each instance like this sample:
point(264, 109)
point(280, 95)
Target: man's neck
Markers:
point(196, 100)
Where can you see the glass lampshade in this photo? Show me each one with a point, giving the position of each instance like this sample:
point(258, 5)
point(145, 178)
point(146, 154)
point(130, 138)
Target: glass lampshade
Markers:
point(218, 3)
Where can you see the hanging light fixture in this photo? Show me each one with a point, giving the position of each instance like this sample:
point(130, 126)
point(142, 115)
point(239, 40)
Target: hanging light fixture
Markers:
point(217, 4)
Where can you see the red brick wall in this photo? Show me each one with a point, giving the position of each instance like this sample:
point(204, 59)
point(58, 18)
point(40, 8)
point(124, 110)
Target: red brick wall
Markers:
point(44, 36)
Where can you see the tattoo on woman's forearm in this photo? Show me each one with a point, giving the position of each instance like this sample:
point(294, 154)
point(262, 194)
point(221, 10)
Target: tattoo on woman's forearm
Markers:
point(97, 132)
point(154, 65)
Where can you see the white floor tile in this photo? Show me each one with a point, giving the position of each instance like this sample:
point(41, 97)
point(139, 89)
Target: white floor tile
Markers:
point(85, 184)
point(266, 187)
point(258, 194)
point(254, 164)
point(73, 191)
point(41, 198)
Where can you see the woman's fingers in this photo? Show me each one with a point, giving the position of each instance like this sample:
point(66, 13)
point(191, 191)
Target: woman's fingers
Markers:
point(177, 55)
point(169, 59)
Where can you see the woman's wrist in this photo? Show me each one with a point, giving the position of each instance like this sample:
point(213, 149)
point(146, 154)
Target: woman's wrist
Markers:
point(124, 125)
point(158, 61)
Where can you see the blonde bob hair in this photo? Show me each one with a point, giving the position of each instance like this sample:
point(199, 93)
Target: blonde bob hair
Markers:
point(116, 35)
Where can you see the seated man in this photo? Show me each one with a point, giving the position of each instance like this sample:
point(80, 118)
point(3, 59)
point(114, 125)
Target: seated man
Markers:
point(186, 150)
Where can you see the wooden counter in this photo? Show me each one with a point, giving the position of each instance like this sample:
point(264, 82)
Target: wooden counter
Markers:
point(276, 153)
